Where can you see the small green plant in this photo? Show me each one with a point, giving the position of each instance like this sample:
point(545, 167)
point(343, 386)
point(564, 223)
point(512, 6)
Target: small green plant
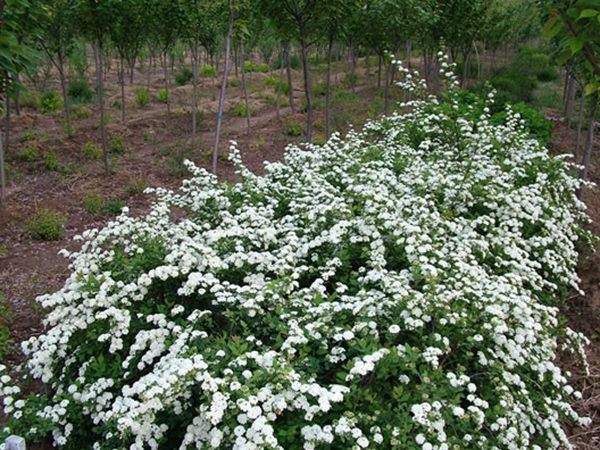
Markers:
point(350, 79)
point(535, 122)
point(117, 145)
point(208, 71)
point(46, 225)
point(50, 102)
point(30, 99)
point(142, 97)
point(81, 112)
point(136, 186)
point(93, 203)
point(293, 128)
point(183, 77)
point(278, 85)
point(51, 161)
point(113, 206)
point(251, 66)
point(162, 95)
point(28, 135)
point(240, 110)
point(5, 340)
point(234, 82)
point(67, 128)
point(91, 151)
point(29, 154)
point(79, 90)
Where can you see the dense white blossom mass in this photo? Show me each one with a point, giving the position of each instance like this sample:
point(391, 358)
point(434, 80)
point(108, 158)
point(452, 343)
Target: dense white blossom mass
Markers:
point(397, 288)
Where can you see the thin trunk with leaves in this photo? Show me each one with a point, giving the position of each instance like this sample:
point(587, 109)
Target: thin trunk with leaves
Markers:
point(166, 83)
point(328, 89)
point(307, 85)
point(288, 70)
point(223, 91)
point(245, 88)
point(195, 56)
point(122, 83)
point(589, 142)
point(100, 90)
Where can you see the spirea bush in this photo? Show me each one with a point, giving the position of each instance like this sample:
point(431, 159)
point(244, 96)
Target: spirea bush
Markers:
point(397, 288)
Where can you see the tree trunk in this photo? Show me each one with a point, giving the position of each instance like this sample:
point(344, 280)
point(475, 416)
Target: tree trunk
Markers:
point(122, 83)
point(17, 99)
point(386, 91)
point(63, 88)
point(2, 175)
point(379, 64)
point(589, 142)
point(328, 90)
point(194, 51)
point(580, 124)
point(570, 94)
point(307, 85)
point(288, 69)
point(166, 75)
point(245, 89)
point(100, 89)
point(409, 54)
point(223, 92)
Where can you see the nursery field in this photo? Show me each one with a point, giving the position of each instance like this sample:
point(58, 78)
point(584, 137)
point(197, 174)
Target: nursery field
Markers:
point(308, 224)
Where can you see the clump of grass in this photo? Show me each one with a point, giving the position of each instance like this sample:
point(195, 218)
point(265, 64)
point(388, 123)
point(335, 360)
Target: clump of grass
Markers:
point(183, 77)
point(251, 66)
point(50, 102)
point(81, 112)
point(93, 203)
point(293, 128)
point(30, 99)
point(142, 97)
point(162, 95)
point(46, 225)
point(29, 154)
point(113, 206)
point(5, 340)
point(117, 145)
point(79, 90)
point(240, 110)
point(91, 151)
point(208, 71)
point(51, 161)
point(136, 186)
point(28, 135)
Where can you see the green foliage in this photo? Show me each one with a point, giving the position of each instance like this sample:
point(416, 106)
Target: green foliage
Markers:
point(93, 203)
point(91, 151)
point(293, 128)
point(208, 71)
point(183, 77)
point(50, 102)
point(136, 186)
point(5, 340)
point(279, 63)
point(79, 90)
point(113, 206)
point(162, 95)
point(81, 112)
point(29, 154)
point(142, 97)
point(51, 162)
point(534, 121)
point(46, 225)
point(117, 145)
point(30, 99)
point(240, 110)
point(251, 66)
point(279, 86)
point(534, 62)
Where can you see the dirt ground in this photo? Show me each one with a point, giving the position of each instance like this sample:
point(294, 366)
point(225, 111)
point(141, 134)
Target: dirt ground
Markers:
point(154, 143)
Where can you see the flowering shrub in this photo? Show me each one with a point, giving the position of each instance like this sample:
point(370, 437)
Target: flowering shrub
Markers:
point(394, 289)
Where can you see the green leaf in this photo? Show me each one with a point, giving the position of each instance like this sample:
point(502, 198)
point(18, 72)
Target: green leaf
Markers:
point(552, 27)
point(586, 13)
point(591, 88)
point(575, 45)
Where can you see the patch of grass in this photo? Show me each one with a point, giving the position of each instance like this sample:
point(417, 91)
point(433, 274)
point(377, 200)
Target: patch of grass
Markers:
point(113, 206)
point(79, 91)
point(5, 340)
point(175, 161)
point(251, 66)
point(50, 102)
point(81, 112)
point(162, 95)
point(46, 225)
point(29, 154)
point(208, 71)
point(28, 135)
point(30, 99)
point(51, 161)
point(235, 82)
point(93, 203)
point(293, 128)
point(240, 110)
point(3, 251)
point(142, 97)
point(183, 77)
point(117, 145)
point(91, 151)
point(136, 186)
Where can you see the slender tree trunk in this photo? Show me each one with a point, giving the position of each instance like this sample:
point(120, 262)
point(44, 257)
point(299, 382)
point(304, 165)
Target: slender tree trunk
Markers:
point(386, 91)
point(570, 96)
point(2, 174)
point(100, 89)
point(63, 88)
point(245, 89)
point(215, 155)
point(17, 98)
point(166, 75)
point(379, 64)
point(288, 70)
point(307, 85)
point(131, 70)
point(238, 54)
point(7, 112)
point(589, 142)
point(580, 123)
point(122, 83)
point(328, 90)
point(409, 54)
point(195, 55)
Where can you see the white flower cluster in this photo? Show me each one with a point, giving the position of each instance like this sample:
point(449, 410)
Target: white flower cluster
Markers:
point(394, 289)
